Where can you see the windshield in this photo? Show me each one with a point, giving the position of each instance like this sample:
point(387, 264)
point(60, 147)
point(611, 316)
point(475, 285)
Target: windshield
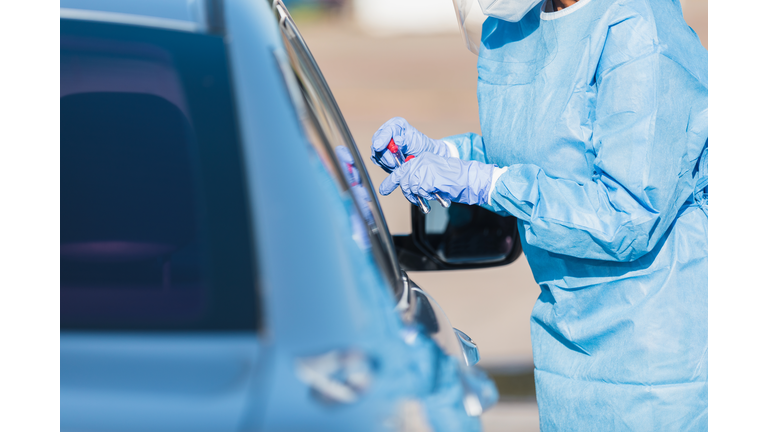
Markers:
point(331, 138)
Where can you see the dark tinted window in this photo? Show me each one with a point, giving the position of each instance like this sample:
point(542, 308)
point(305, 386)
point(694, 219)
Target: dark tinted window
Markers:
point(155, 231)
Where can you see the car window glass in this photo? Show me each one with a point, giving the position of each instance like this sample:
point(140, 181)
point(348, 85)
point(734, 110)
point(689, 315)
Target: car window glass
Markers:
point(322, 119)
point(337, 160)
point(155, 232)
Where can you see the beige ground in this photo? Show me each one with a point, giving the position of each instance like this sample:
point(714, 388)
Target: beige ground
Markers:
point(430, 81)
point(512, 417)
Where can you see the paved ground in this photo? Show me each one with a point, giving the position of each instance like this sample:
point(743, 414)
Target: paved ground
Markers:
point(509, 416)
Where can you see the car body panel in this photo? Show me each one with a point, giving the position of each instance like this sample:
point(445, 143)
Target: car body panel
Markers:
point(320, 291)
point(335, 274)
point(130, 382)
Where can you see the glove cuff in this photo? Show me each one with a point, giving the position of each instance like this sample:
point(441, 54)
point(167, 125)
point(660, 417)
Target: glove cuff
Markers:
point(453, 151)
point(497, 172)
point(484, 177)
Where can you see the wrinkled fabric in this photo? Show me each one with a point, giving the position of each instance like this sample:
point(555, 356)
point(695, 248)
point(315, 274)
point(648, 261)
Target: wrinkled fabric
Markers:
point(600, 116)
point(410, 141)
point(466, 182)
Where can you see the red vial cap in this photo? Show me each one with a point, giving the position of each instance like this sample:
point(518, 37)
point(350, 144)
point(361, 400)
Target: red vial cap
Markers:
point(392, 146)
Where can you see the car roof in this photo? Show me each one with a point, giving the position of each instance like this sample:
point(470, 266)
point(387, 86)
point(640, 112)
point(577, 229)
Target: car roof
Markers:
point(184, 15)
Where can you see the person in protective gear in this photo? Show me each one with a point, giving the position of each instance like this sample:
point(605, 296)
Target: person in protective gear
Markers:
point(595, 137)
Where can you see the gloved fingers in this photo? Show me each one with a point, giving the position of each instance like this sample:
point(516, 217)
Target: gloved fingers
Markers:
point(394, 128)
point(410, 197)
point(415, 187)
point(385, 160)
point(391, 182)
point(412, 182)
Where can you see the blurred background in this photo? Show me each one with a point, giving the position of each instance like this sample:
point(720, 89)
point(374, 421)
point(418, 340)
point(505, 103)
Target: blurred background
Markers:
point(386, 58)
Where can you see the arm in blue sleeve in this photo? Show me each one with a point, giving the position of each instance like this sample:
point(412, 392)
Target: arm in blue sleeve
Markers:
point(649, 129)
point(470, 146)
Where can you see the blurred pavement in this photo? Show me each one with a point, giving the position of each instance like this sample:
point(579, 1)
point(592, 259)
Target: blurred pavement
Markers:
point(512, 416)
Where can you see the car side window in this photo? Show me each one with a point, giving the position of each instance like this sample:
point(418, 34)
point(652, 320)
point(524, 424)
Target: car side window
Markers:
point(155, 231)
point(334, 143)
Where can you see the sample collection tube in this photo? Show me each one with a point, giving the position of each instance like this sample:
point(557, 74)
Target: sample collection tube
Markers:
point(399, 160)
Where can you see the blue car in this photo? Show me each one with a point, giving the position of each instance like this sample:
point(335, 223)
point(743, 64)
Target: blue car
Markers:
point(225, 263)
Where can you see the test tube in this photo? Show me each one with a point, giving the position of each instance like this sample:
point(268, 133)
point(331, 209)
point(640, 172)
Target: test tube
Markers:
point(399, 160)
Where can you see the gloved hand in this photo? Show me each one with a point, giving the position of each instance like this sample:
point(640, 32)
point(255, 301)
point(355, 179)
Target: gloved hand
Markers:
point(410, 141)
point(467, 182)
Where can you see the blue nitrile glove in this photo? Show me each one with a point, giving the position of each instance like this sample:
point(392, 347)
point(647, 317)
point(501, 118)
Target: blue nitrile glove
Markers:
point(467, 182)
point(408, 138)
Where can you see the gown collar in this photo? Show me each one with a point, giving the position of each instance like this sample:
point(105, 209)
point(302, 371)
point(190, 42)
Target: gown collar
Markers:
point(548, 16)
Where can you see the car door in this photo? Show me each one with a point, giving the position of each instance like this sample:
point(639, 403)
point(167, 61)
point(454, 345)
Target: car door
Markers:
point(160, 313)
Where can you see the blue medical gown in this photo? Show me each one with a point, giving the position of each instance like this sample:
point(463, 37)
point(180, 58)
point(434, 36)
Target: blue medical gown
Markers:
point(600, 115)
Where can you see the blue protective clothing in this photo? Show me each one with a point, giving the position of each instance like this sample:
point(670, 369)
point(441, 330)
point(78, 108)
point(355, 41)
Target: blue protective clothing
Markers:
point(599, 113)
point(408, 139)
point(467, 182)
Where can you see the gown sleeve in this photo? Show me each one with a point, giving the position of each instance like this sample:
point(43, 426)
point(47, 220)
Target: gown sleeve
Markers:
point(649, 128)
point(470, 146)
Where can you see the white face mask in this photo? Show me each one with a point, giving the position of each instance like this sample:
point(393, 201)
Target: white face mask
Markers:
point(471, 18)
point(507, 10)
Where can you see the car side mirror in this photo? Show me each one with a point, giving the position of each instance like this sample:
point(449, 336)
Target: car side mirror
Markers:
point(458, 237)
